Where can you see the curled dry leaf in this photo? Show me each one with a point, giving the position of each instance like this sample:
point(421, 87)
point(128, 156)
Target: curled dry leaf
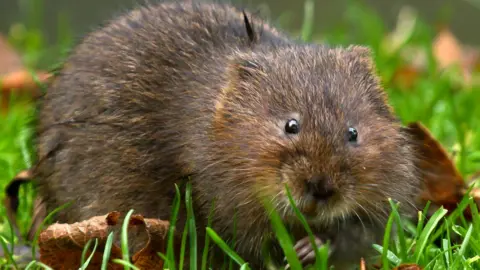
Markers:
point(442, 183)
point(147, 258)
point(61, 245)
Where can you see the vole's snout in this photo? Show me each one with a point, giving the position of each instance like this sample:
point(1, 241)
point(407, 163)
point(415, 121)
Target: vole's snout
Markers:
point(320, 187)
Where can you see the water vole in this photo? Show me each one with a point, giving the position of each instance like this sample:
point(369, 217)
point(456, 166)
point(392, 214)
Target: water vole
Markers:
point(179, 89)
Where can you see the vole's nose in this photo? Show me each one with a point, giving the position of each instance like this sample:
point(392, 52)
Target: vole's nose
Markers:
point(320, 187)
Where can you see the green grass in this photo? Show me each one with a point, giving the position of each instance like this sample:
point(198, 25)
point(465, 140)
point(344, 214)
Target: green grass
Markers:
point(447, 108)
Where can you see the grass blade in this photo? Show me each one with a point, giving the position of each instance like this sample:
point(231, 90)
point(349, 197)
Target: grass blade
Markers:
point(171, 229)
point(308, 19)
point(429, 227)
point(84, 252)
point(232, 254)
point(124, 239)
point(306, 226)
point(46, 267)
point(107, 251)
point(463, 247)
point(283, 237)
point(183, 246)
point(400, 232)
point(192, 229)
point(30, 265)
point(85, 265)
point(207, 239)
point(126, 264)
point(386, 242)
point(4, 243)
point(390, 255)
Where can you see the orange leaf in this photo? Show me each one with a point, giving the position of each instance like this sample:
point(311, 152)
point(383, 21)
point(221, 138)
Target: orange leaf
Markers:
point(14, 76)
point(10, 60)
point(447, 49)
point(22, 80)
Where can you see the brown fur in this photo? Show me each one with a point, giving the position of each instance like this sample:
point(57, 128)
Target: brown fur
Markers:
point(171, 89)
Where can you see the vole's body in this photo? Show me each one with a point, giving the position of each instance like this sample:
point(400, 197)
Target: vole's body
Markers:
point(172, 90)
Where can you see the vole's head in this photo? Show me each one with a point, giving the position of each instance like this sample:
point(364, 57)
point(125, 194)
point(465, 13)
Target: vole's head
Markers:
point(317, 120)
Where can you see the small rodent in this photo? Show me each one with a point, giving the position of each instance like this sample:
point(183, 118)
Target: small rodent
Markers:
point(205, 90)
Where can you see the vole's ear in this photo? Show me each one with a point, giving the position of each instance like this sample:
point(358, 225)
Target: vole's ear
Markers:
point(249, 28)
point(242, 74)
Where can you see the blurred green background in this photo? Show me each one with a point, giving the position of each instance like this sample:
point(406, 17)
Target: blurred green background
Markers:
point(461, 15)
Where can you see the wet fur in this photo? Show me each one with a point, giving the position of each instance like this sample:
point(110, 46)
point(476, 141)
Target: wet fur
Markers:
point(170, 90)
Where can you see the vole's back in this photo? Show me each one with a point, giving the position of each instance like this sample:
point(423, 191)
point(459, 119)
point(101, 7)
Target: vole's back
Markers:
point(116, 121)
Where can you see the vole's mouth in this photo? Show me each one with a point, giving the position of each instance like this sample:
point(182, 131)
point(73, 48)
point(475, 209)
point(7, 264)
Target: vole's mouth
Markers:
point(318, 211)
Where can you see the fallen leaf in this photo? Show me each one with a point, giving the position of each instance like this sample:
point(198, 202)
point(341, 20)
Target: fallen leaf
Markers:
point(15, 77)
point(147, 258)
point(442, 183)
point(61, 245)
point(409, 266)
point(363, 264)
point(11, 61)
point(447, 49)
point(406, 76)
point(22, 79)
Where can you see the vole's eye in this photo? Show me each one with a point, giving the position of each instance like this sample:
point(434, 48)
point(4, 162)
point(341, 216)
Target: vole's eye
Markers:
point(292, 126)
point(352, 134)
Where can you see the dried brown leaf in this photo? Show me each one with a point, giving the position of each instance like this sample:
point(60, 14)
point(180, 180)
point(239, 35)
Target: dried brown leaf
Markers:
point(443, 185)
point(61, 245)
point(147, 258)
point(443, 182)
point(363, 264)
point(406, 76)
point(409, 266)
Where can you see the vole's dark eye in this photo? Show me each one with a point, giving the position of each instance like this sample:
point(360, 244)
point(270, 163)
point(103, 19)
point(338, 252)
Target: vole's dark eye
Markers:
point(352, 134)
point(292, 126)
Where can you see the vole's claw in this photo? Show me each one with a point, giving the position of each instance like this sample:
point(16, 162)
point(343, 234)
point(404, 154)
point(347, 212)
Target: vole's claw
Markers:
point(305, 251)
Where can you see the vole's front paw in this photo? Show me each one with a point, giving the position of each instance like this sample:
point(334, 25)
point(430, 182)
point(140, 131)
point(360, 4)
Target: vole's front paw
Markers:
point(305, 250)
